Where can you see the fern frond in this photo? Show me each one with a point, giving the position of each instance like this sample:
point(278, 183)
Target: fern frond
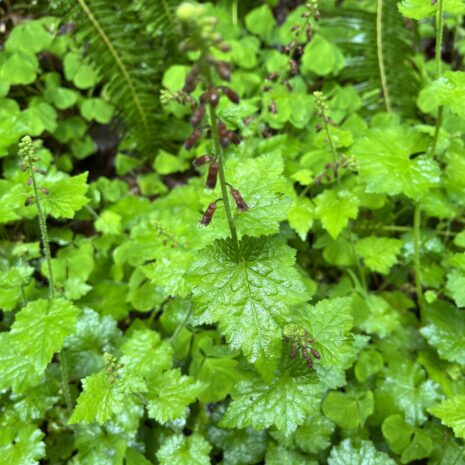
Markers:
point(129, 43)
point(379, 56)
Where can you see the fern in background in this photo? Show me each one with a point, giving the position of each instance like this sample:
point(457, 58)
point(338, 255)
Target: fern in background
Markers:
point(131, 43)
point(379, 55)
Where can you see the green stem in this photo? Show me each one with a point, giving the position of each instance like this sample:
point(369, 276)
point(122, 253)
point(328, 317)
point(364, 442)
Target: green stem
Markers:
point(43, 230)
point(181, 326)
point(234, 12)
point(379, 48)
point(64, 381)
point(416, 255)
point(224, 187)
point(439, 36)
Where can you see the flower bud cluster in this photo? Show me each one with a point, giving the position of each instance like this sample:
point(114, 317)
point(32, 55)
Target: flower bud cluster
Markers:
point(302, 342)
point(111, 367)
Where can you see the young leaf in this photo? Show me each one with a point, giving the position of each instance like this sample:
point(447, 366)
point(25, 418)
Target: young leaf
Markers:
point(285, 402)
point(410, 391)
point(385, 165)
point(66, 196)
point(451, 412)
point(379, 253)
point(279, 455)
point(181, 450)
point(347, 453)
point(144, 353)
point(99, 400)
point(170, 393)
point(455, 285)
point(41, 327)
point(445, 330)
point(334, 209)
point(248, 296)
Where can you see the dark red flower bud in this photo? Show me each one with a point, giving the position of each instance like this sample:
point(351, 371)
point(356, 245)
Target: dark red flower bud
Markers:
point(214, 97)
point(328, 166)
point(234, 138)
point(205, 97)
point(44, 190)
point(272, 108)
point(198, 115)
point(212, 175)
point(294, 67)
point(309, 362)
point(189, 83)
point(232, 96)
point(223, 69)
point(28, 201)
point(29, 181)
point(240, 203)
point(293, 351)
point(316, 354)
point(328, 177)
point(192, 139)
point(203, 159)
point(224, 140)
point(38, 170)
point(208, 215)
point(296, 27)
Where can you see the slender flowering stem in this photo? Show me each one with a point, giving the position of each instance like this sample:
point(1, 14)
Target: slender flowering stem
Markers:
point(438, 71)
point(222, 177)
point(416, 255)
point(28, 153)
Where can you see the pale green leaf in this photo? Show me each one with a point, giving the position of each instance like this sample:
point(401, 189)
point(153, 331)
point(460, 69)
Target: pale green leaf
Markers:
point(181, 450)
point(335, 209)
point(65, 196)
point(285, 402)
point(385, 165)
point(420, 9)
point(170, 393)
point(41, 327)
point(379, 253)
point(347, 453)
point(451, 412)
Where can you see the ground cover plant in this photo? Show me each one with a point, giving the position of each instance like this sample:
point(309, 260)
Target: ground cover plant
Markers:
point(232, 232)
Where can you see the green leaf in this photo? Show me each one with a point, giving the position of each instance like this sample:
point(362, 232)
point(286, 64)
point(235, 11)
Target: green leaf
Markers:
point(20, 69)
point(249, 297)
point(145, 353)
point(261, 184)
point(329, 324)
point(240, 447)
point(97, 109)
point(261, 22)
point(82, 75)
point(456, 286)
point(285, 402)
point(385, 165)
point(411, 392)
point(181, 450)
point(420, 9)
point(170, 393)
point(447, 91)
point(41, 327)
point(20, 443)
point(300, 216)
point(66, 196)
point(451, 412)
point(348, 411)
point(379, 253)
point(29, 37)
point(404, 440)
point(347, 453)
point(315, 434)
point(99, 400)
point(109, 223)
point(279, 455)
point(16, 372)
point(368, 364)
point(165, 163)
point(334, 209)
point(321, 57)
point(445, 330)
point(17, 276)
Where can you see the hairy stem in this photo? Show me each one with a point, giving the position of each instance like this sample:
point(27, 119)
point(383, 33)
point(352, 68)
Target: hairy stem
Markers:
point(43, 230)
point(379, 49)
point(223, 184)
point(416, 255)
point(439, 35)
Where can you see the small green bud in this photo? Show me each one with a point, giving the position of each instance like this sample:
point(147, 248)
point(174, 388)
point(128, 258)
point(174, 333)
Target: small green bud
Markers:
point(26, 149)
point(189, 11)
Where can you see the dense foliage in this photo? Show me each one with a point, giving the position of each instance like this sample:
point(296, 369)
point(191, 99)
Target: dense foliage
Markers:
point(232, 232)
